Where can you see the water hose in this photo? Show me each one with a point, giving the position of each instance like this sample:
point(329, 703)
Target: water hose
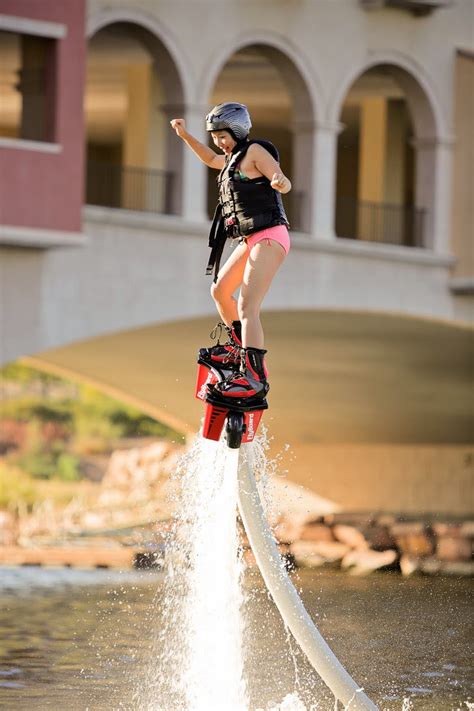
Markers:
point(285, 595)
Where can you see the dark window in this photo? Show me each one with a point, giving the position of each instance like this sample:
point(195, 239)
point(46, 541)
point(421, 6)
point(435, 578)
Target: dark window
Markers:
point(27, 86)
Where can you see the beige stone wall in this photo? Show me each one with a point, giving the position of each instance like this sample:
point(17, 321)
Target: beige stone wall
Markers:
point(397, 478)
point(463, 177)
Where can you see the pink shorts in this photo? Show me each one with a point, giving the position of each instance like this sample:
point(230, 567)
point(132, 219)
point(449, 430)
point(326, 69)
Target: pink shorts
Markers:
point(279, 234)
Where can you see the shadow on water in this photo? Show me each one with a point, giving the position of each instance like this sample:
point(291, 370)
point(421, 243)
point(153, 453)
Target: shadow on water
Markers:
point(77, 640)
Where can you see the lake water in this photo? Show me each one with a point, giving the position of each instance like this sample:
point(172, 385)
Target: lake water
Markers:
point(77, 640)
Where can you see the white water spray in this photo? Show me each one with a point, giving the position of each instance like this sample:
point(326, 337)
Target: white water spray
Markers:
point(213, 609)
point(198, 660)
point(199, 649)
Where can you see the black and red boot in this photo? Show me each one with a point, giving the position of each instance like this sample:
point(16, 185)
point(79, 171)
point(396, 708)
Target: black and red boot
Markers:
point(224, 354)
point(251, 380)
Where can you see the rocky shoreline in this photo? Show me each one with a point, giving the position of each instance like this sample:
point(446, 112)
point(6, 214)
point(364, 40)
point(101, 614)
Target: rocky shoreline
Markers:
point(137, 496)
point(362, 543)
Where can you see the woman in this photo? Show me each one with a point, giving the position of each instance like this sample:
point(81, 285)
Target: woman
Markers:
point(250, 209)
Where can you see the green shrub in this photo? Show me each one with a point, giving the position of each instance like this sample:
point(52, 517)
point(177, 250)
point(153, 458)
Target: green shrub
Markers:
point(38, 464)
point(15, 486)
point(135, 424)
point(49, 464)
point(70, 422)
point(67, 467)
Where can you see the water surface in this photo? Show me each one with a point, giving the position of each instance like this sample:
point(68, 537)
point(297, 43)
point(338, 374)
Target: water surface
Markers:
point(75, 640)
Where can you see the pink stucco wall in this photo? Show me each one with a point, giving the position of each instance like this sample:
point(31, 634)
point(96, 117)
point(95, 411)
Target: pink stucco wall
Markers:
point(45, 190)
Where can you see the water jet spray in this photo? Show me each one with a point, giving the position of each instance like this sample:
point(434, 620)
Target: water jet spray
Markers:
point(241, 419)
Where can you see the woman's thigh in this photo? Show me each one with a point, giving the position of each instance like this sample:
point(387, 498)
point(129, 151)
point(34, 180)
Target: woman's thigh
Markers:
point(265, 258)
point(232, 271)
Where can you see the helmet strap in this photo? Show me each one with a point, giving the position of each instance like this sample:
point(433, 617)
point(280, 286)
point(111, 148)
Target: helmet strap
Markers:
point(239, 143)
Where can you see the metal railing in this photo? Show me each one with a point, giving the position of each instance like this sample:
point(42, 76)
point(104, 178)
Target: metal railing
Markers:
point(129, 188)
point(380, 222)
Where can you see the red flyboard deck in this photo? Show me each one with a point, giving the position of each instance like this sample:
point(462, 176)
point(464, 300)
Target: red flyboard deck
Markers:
point(215, 415)
point(252, 421)
point(205, 376)
point(214, 420)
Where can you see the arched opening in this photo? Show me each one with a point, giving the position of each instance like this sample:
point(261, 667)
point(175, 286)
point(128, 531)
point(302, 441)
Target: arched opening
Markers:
point(378, 193)
point(268, 82)
point(131, 83)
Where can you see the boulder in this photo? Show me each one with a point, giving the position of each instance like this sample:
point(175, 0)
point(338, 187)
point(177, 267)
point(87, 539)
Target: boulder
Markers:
point(287, 530)
point(450, 548)
point(137, 474)
point(378, 537)
point(330, 551)
point(413, 538)
point(409, 565)
point(350, 535)
point(316, 532)
point(8, 529)
point(362, 562)
point(305, 555)
point(356, 519)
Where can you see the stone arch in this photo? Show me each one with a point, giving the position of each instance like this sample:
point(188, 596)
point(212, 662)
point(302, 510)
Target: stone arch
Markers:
point(305, 85)
point(175, 77)
point(421, 96)
point(304, 94)
point(166, 46)
point(429, 139)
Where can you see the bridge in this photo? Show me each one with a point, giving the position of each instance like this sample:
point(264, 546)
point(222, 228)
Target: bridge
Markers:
point(135, 269)
point(354, 389)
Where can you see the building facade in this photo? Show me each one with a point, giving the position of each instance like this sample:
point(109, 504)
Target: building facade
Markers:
point(367, 102)
point(41, 120)
point(104, 213)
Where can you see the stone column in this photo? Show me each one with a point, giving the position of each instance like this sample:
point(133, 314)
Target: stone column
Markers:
point(394, 188)
point(314, 175)
point(372, 160)
point(195, 172)
point(302, 179)
point(324, 201)
point(158, 188)
point(397, 220)
point(433, 190)
point(135, 138)
point(189, 174)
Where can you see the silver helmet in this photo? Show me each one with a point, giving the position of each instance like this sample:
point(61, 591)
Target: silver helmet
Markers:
point(231, 117)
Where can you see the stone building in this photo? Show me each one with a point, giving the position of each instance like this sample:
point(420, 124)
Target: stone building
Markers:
point(369, 102)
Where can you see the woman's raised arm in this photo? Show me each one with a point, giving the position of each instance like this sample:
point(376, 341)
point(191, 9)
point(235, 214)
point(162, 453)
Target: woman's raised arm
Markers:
point(204, 153)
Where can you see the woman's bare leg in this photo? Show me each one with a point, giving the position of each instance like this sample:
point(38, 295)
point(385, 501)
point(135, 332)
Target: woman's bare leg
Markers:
point(264, 260)
point(229, 279)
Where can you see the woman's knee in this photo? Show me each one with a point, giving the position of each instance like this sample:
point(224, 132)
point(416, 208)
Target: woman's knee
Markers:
point(219, 293)
point(216, 291)
point(248, 310)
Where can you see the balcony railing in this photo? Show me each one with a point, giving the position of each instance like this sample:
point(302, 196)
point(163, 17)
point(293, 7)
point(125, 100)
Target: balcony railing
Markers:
point(112, 185)
point(380, 222)
point(128, 188)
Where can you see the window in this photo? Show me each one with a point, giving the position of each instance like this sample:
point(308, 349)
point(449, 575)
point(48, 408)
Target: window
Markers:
point(27, 83)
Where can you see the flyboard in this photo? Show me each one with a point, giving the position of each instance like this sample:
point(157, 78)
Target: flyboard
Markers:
point(241, 419)
point(240, 416)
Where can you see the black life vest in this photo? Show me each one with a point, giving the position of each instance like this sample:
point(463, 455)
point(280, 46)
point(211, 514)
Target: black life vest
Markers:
point(246, 205)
